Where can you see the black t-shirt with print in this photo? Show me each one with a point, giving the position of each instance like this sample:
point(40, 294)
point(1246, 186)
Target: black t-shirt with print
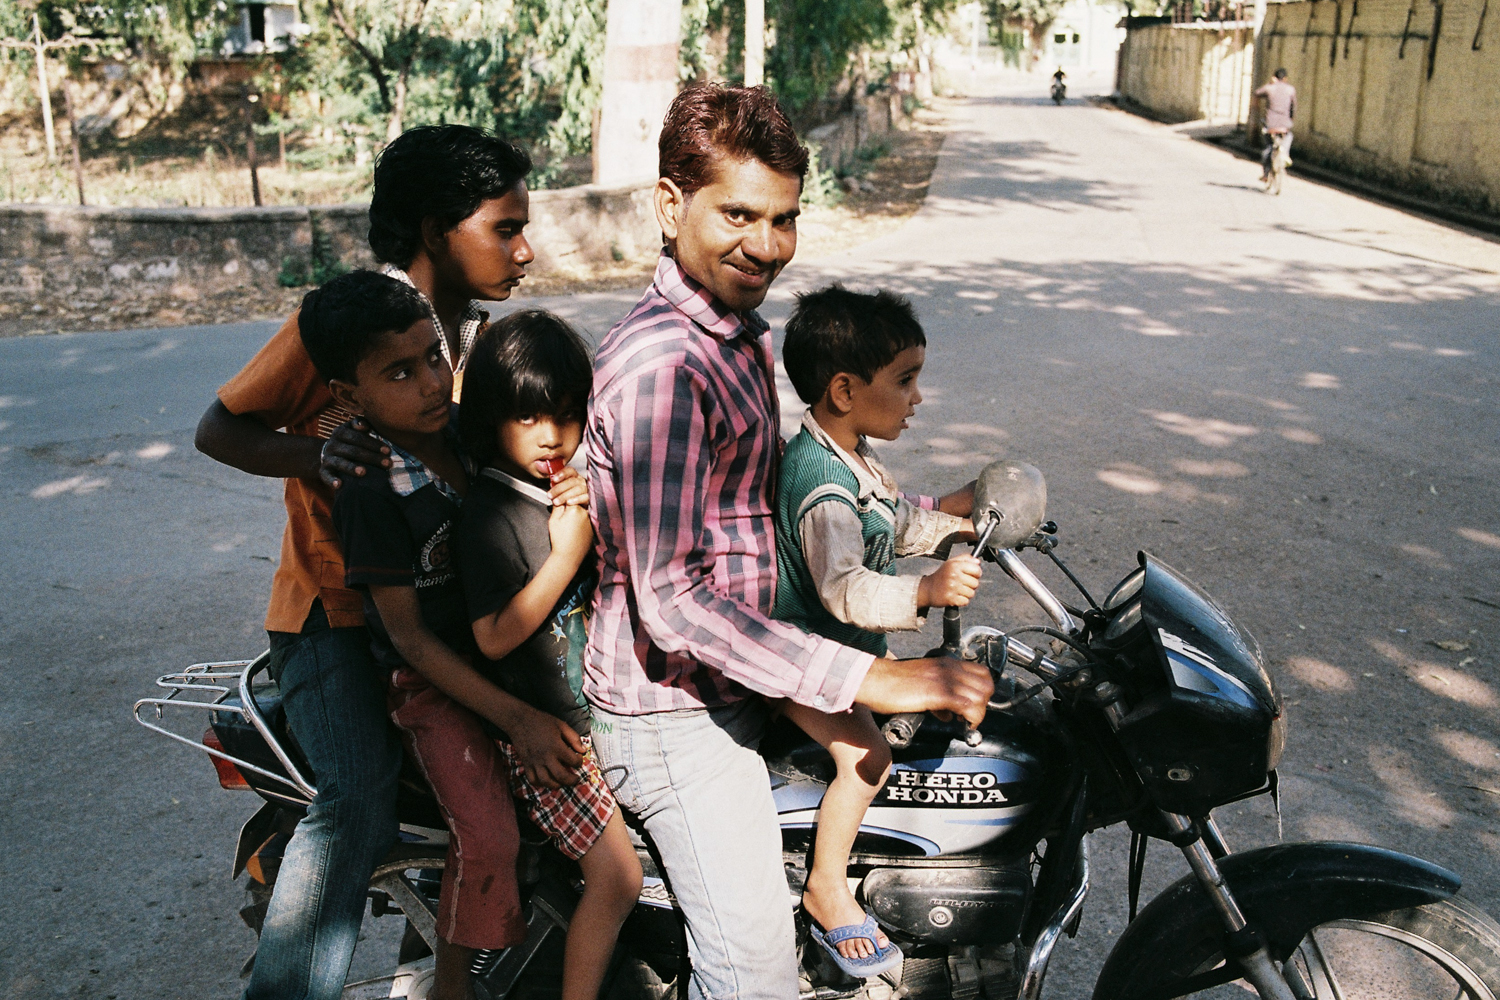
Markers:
point(391, 539)
point(502, 542)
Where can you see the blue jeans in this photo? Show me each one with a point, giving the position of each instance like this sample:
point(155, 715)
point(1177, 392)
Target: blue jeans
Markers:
point(701, 789)
point(334, 696)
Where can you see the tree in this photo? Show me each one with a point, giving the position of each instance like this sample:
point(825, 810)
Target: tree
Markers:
point(1032, 17)
point(387, 36)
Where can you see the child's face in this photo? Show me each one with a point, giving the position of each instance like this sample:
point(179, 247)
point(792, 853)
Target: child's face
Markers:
point(487, 253)
point(879, 407)
point(404, 386)
point(532, 446)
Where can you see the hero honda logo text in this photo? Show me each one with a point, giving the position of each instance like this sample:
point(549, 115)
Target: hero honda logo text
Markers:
point(939, 788)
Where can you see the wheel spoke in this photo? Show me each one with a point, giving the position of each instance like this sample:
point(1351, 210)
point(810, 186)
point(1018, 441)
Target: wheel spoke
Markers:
point(1325, 983)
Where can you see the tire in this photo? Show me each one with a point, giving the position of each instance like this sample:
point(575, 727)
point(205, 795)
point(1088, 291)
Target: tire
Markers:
point(1448, 950)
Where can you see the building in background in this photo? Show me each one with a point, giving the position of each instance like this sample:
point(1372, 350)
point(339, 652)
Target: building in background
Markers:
point(1084, 37)
point(263, 26)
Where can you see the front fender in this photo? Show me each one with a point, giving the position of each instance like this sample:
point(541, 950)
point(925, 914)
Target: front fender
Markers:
point(1285, 891)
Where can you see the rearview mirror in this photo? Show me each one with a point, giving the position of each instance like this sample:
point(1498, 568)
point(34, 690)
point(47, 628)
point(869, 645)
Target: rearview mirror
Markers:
point(1015, 495)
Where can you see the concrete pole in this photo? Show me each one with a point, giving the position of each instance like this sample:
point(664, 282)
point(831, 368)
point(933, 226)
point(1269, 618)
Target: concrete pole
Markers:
point(641, 39)
point(755, 42)
point(43, 89)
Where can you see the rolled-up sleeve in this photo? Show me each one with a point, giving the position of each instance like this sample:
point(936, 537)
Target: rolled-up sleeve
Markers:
point(833, 547)
point(666, 428)
point(922, 532)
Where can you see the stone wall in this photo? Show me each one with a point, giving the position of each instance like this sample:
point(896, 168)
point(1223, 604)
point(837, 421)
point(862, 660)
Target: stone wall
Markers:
point(1186, 72)
point(111, 260)
point(838, 141)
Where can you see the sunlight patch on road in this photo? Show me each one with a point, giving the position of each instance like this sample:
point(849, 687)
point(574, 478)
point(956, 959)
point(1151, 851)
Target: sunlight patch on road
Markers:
point(1475, 751)
point(1208, 431)
point(1128, 480)
point(1320, 674)
point(1299, 435)
point(77, 485)
point(1415, 799)
point(1428, 556)
point(954, 460)
point(1437, 679)
point(1319, 380)
point(1481, 537)
point(1222, 469)
point(155, 450)
point(230, 544)
point(979, 429)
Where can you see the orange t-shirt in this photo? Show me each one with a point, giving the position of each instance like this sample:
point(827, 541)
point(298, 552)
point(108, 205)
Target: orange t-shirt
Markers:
point(281, 388)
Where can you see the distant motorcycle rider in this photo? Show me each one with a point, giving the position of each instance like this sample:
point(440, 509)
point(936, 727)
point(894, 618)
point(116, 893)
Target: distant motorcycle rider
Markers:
point(1059, 87)
point(1281, 108)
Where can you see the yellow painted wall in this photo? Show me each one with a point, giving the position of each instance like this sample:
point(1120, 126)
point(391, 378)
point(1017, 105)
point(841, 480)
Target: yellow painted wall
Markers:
point(1185, 72)
point(1384, 95)
point(1402, 91)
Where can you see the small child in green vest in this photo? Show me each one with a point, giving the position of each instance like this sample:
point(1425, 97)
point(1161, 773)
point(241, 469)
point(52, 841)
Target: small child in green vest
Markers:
point(840, 524)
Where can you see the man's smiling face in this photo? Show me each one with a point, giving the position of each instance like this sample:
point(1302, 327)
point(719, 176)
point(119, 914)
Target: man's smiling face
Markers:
point(735, 234)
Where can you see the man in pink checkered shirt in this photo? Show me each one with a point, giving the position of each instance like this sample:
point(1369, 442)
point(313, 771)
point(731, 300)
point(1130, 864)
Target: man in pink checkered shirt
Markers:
point(683, 441)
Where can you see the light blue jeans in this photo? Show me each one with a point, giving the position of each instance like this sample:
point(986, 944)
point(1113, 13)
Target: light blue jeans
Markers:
point(334, 696)
point(701, 789)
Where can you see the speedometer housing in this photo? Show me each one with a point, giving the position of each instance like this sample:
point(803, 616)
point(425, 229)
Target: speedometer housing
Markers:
point(1206, 724)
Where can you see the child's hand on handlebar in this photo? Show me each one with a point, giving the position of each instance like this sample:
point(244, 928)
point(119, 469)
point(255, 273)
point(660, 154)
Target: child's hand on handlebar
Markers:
point(951, 585)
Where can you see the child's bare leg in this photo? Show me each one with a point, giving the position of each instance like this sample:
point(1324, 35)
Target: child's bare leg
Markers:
point(863, 760)
point(611, 886)
point(451, 978)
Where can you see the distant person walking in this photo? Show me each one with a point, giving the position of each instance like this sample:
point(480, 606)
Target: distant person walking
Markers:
point(1281, 108)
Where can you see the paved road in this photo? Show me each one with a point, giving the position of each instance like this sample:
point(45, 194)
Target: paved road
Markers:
point(1292, 399)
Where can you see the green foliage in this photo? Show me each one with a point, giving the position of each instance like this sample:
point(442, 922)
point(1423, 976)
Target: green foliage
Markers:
point(322, 266)
point(821, 187)
point(815, 41)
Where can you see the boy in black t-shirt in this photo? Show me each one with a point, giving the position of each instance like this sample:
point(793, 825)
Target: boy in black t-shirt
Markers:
point(373, 339)
point(526, 557)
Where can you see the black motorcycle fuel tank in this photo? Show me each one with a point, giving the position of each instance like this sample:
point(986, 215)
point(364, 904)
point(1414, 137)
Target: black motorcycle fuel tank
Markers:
point(943, 797)
point(1206, 724)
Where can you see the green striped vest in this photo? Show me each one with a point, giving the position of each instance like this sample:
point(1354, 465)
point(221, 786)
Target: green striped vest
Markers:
point(812, 474)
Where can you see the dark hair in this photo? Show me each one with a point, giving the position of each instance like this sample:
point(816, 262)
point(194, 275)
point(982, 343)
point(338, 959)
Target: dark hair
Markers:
point(1280, 74)
point(835, 330)
point(342, 322)
point(531, 363)
point(441, 172)
point(707, 123)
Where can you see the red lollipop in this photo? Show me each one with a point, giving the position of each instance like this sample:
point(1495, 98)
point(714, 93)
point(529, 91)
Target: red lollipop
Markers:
point(554, 467)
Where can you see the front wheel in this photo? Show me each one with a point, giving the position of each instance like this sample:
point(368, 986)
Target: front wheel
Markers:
point(1448, 950)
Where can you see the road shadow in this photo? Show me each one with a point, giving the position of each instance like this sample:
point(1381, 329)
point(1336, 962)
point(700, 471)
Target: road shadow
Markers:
point(978, 175)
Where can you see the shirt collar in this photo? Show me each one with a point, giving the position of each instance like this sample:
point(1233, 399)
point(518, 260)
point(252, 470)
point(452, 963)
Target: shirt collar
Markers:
point(522, 487)
point(470, 324)
point(699, 305)
point(408, 474)
point(879, 485)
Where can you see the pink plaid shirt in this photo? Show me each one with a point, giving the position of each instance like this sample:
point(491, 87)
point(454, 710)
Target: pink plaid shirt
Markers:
point(683, 442)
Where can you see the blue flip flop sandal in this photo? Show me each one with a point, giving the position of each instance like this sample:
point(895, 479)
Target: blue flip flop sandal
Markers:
point(859, 968)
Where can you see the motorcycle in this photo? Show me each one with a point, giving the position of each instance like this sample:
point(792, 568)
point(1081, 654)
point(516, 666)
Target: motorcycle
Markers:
point(1149, 709)
point(1059, 91)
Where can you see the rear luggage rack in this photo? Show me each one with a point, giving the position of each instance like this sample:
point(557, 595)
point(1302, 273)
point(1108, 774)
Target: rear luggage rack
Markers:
point(208, 687)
